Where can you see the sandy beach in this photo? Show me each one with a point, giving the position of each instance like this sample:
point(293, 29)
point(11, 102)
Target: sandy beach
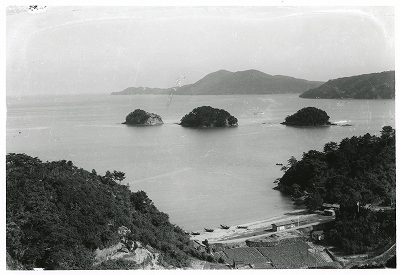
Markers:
point(257, 228)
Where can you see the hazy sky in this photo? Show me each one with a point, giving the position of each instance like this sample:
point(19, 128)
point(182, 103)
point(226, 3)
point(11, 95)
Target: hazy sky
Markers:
point(107, 49)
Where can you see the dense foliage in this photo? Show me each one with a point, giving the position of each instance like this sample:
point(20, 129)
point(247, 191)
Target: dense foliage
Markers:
point(308, 116)
point(137, 117)
point(358, 169)
point(207, 116)
point(364, 230)
point(57, 214)
point(355, 173)
point(372, 86)
point(391, 263)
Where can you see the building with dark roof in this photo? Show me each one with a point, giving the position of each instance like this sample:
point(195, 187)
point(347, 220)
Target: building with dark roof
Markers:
point(279, 226)
point(317, 235)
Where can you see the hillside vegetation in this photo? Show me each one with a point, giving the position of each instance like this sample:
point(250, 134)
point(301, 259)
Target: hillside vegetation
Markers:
point(357, 169)
point(368, 86)
point(229, 83)
point(57, 215)
point(355, 173)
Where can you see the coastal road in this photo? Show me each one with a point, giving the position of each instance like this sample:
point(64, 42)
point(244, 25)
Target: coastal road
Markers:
point(262, 234)
point(261, 229)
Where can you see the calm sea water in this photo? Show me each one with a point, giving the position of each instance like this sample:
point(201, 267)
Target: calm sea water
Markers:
point(200, 177)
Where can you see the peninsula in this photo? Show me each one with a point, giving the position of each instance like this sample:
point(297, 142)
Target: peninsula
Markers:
point(367, 86)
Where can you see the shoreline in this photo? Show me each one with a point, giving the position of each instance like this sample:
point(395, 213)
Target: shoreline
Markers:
point(254, 228)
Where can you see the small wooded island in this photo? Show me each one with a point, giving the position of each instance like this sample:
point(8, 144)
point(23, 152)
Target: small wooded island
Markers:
point(207, 116)
point(140, 117)
point(308, 116)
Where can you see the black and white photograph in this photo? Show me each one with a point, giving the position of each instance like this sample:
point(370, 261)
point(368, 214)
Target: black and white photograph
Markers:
point(250, 135)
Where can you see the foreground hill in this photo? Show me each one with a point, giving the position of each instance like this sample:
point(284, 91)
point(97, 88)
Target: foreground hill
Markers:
point(58, 215)
point(368, 86)
point(228, 83)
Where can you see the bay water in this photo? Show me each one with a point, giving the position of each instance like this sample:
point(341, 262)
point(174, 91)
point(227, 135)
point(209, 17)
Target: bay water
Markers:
point(199, 177)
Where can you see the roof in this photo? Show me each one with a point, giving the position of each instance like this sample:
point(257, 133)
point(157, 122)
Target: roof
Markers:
point(238, 261)
point(283, 223)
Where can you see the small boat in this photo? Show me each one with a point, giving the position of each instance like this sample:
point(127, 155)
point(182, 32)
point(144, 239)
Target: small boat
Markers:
point(223, 226)
point(195, 233)
point(280, 164)
point(242, 226)
point(209, 230)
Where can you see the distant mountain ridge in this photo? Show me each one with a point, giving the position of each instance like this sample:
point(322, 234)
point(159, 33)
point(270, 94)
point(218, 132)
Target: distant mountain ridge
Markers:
point(225, 82)
point(367, 86)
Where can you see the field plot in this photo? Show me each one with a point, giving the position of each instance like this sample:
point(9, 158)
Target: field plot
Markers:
point(296, 255)
point(221, 254)
point(248, 255)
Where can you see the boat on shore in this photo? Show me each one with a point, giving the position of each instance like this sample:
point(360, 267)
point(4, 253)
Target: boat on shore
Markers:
point(209, 230)
point(223, 226)
point(242, 227)
point(195, 233)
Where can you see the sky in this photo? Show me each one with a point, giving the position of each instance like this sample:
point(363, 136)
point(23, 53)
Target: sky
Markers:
point(105, 49)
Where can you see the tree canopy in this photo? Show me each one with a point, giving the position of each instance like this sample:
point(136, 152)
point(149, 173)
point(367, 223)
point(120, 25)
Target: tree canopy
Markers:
point(363, 231)
point(207, 116)
point(308, 116)
point(137, 117)
point(360, 168)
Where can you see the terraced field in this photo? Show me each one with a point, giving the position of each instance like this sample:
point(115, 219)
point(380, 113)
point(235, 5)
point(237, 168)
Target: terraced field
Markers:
point(221, 254)
point(296, 255)
point(246, 254)
point(285, 256)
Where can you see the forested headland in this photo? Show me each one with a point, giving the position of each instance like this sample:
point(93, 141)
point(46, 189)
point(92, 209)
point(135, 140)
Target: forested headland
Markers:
point(356, 173)
point(57, 215)
point(367, 86)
